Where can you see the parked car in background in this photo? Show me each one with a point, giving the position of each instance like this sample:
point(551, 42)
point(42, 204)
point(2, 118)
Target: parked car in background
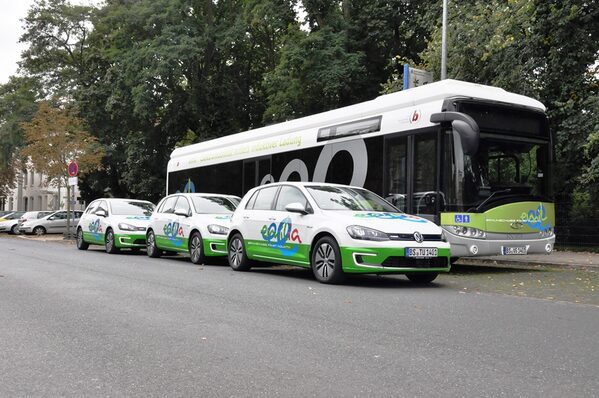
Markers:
point(33, 215)
point(115, 224)
point(54, 223)
point(334, 229)
point(4, 213)
point(10, 222)
point(194, 223)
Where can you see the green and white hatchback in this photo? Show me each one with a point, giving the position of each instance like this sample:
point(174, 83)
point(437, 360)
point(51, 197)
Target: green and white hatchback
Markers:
point(334, 229)
point(114, 223)
point(194, 223)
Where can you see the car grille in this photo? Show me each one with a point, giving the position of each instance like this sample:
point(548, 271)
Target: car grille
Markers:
point(410, 237)
point(406, 262)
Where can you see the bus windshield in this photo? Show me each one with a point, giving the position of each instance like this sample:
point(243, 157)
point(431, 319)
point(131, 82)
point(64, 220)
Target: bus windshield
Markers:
point(345, 198)
point(501, 167)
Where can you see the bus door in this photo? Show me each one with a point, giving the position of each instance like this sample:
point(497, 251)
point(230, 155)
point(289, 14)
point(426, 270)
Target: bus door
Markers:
point(256, 172)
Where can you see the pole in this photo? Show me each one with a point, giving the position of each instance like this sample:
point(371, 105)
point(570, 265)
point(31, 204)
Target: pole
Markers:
point(68, 235)
point(444, 43)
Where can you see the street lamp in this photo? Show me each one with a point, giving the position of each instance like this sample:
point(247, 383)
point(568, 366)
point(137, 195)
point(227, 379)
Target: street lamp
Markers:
point(444, 43)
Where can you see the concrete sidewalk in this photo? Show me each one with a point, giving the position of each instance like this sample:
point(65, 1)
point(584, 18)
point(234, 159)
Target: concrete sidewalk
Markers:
point(557, 259)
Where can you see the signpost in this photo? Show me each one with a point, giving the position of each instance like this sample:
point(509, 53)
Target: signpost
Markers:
point(73, 169)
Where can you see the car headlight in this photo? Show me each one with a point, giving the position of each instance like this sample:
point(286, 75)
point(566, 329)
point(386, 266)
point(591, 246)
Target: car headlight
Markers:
point(363, 233)
point(217, 229)
point(469, 232)
point(129, 227)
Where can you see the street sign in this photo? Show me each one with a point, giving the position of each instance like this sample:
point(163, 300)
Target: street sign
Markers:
point(72, 181)
point(413, 77)
point(73, 168)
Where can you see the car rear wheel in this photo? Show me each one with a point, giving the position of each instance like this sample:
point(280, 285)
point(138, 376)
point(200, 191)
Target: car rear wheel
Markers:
point(238, 259)
point(151, 248)
point(39, 231)
point(109, 243)
point(81, 244)
point(15, 229)
point(196, 251)
point(326, 261)
point(422, 278)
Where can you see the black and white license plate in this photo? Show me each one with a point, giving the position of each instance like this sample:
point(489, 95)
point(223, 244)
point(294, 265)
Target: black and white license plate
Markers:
point(506, 250)
point(421, 252)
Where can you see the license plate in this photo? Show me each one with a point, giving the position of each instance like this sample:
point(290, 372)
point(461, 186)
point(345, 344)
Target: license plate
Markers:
point(514, 250)
point(421, 252)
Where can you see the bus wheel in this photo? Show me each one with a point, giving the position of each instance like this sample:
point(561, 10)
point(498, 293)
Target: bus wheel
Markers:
point(81, 244)
point(151, 248)
point(238, 259)
point(195, 248)
point(109, 242)
point(422, 278)
point(326, 261)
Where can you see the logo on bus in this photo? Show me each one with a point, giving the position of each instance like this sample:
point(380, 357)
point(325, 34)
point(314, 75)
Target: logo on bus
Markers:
point(281, 237)
point(416, 115)
point(537, 218)
point(174, 232)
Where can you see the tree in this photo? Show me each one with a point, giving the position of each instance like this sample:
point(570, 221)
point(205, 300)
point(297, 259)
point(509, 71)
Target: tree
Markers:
point(56, 136)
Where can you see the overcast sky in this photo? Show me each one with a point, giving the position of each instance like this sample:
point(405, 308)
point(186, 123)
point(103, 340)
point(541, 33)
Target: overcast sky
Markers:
point(10, 31)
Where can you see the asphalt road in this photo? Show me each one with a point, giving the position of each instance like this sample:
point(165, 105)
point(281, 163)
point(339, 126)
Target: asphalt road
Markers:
point(78, 323)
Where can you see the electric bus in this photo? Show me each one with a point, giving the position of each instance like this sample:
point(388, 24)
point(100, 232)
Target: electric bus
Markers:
point(474, 159)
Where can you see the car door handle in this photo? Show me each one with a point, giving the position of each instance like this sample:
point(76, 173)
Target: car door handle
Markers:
point(246, 217)
point(271, 219)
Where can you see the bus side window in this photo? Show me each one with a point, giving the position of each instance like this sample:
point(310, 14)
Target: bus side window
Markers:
point(425, 170)
point(396, 158)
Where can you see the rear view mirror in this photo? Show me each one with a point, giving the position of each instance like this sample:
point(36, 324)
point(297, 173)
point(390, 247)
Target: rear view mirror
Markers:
point(462, 124)
point(296, 207)
point(182, 212)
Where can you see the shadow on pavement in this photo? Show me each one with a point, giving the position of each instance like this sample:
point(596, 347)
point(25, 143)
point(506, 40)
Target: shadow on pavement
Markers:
point(459, 269)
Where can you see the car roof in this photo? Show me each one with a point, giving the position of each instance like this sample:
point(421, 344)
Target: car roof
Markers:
point(122, 199)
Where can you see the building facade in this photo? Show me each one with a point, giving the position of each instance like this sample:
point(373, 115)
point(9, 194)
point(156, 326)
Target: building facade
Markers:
point(33, 193)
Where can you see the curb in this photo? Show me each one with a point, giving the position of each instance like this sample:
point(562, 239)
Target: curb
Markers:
point(531, 263)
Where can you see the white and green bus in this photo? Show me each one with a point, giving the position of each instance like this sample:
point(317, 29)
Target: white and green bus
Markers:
point(472, 158)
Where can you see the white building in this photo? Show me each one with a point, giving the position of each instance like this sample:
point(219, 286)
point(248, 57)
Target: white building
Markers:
point(33, 193)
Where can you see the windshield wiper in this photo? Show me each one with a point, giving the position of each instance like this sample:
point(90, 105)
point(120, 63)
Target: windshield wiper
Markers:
point(477, 208)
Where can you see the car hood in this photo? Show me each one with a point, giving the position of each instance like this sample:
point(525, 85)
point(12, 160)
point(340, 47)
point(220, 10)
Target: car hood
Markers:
point(399, 223)
point(8, 222)
point(136, 221)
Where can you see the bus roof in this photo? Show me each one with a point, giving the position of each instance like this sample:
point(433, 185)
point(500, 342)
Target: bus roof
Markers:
point(423, 96)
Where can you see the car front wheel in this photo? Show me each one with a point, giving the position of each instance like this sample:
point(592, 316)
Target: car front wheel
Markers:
point(109, 243)
point(326, 261)
point(196, 251)
point(39, 231)
point(151, 248)
point(238, 259)
point(81, 244)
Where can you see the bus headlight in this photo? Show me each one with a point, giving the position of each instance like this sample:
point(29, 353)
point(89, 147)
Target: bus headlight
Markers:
point(217, 229)
point(363, 233)
point(469, 232)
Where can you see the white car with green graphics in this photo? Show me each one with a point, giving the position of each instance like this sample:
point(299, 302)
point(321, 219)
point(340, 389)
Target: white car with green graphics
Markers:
point(115, 224)
point(194, 223)
point(334, 229)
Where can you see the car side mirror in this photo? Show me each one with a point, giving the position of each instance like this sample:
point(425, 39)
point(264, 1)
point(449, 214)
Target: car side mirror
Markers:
point(296, 207)
point(51, 218)
point(182, 212)
point(101, 213)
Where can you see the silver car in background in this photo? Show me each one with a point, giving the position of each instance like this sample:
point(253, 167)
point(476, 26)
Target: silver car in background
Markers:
point(33, 215)
point(54, 223)
point(9, 222)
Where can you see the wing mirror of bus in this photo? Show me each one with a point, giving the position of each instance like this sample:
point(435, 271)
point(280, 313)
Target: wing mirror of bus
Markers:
point(296, 207)
point(468, 135)
point(182, 212)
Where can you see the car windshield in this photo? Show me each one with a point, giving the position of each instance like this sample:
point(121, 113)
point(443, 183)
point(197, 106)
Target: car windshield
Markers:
point(131, 208)
point(213, 205)
point(346, 198)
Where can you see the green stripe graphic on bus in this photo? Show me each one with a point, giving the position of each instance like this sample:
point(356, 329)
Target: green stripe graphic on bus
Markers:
point(514, 218)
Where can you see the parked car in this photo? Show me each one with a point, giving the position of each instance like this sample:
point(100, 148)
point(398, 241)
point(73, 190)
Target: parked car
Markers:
point(334, 229)
point(5, 213)
point(32, 215)
point(53, 223)
point(10, 222)
point(115, 224)
point(193, 223)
